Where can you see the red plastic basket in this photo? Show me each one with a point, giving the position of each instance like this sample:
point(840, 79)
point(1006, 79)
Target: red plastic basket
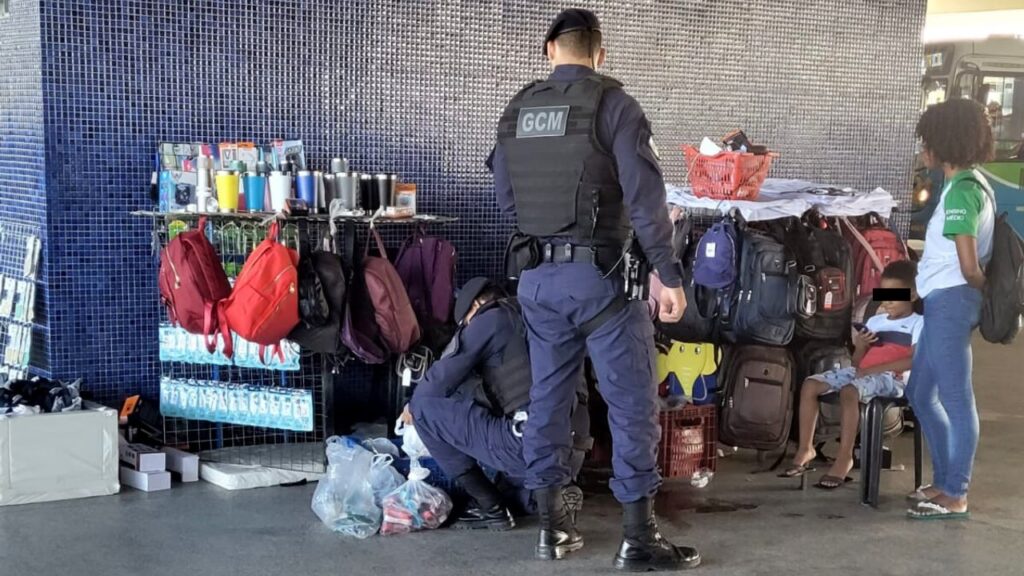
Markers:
point(727, 175)
point(688, 441)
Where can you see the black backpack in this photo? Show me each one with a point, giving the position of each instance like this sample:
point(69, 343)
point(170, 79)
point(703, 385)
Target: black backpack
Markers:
point(818, 358)
point(1004, 285)
point(322, 287)
point(757, 403)
point(698, 322)
point(762, 307)
point(825, 265)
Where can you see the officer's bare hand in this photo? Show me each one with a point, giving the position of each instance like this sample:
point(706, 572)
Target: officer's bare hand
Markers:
point(406, 416)
point(672, 303)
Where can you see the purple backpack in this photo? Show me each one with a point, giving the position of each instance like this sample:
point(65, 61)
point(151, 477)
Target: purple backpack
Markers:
point(714, 263)
point(426, 265)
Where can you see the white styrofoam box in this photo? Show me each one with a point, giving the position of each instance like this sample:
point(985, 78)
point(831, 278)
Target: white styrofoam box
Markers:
point(146, 481)
point(185, 464)
point(46, 457)
point(143, 458)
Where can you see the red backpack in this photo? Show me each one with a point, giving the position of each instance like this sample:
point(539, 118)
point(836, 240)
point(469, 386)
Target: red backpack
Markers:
point(192, 282)
point(264, 306)
point(399, 329)
point(873, 248)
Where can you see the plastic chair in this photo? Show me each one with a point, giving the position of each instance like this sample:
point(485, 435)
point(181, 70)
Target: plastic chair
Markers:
point(872, 419)
point(872, 448)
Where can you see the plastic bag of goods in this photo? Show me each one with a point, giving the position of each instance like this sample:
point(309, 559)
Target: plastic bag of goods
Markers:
point(383, 477)
point(415, 505)
point(343, 499)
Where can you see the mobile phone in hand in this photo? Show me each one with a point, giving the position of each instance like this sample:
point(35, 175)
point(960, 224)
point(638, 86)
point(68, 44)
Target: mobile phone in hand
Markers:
point(859, 327)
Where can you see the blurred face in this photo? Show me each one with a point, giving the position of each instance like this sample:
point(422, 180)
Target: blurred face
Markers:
point(897, 309)
point(473, 310)
point(928, 158)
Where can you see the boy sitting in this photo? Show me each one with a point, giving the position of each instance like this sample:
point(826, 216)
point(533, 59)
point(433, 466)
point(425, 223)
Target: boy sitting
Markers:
point(883, 349)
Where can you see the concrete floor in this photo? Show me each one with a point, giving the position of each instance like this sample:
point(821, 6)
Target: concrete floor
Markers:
point(745, 524)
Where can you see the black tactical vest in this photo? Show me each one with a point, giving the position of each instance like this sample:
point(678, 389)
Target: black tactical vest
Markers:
point(565, 183)
point(506, 387)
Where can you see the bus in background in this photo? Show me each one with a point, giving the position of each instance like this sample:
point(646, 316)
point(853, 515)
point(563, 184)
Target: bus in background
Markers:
point(990, 71)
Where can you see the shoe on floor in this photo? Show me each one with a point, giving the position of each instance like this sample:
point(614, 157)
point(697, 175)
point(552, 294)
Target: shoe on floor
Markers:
point(644, 549)
point(497, 518)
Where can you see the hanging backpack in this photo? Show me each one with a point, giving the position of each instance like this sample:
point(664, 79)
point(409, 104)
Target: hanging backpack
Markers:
point(714, 263)
point(192, 281)
point(1003, 300)
point(757, 400)
point(763, 306)
point(426, 265)
point(399, 329)
point(264, 306)
point(322, 288)
point(698, 321)
point(823, 258)
point(872, 248)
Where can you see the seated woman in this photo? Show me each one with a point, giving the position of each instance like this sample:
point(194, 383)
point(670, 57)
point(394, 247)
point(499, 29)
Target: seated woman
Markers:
point(470, 407)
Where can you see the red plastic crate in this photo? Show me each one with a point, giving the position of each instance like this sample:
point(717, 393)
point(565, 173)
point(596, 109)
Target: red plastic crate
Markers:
point(727, 175)
point(689, 441)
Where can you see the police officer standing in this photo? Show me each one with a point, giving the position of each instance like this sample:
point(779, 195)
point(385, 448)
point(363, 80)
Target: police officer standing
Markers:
point(576, 164)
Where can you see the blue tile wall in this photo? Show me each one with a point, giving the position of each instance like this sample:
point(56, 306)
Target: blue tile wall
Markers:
point(23, 198)
point(414, 87)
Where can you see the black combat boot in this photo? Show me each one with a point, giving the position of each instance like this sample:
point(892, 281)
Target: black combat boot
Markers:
point(485, 512)
point(558, 535)
point(643, 549)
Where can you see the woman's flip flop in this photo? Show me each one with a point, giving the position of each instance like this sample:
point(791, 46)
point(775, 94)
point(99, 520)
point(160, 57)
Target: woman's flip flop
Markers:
point(829, 482)
point(796, 471)
point(932, 511)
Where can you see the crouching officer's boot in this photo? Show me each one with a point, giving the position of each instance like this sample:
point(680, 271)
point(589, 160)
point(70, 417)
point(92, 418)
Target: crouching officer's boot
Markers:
point(558, 534)
point(643, 548)
point(486, 512)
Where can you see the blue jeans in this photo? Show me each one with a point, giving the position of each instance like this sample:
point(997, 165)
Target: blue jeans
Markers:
point(940, 389)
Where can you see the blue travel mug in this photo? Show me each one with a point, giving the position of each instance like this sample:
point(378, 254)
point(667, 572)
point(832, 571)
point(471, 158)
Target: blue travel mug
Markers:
point(306, 188)
point(255, 190)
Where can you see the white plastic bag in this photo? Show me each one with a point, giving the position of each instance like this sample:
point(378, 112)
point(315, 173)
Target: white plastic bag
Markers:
point(411, 443)
point(381, 446)
point(383, 477)
point(343, 499)
point(415, 505)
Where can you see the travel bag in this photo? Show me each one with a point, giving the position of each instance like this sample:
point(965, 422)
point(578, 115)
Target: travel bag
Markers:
point(823, 256)
point(762, 308)
point(392, 311)
point(757, 397)
point(1003, 300)
point(322, 288)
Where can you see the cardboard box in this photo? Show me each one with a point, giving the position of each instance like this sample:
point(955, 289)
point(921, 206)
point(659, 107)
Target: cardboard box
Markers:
point(49, 457)
point(184, 464)
point(145, 481)
point(143, 458)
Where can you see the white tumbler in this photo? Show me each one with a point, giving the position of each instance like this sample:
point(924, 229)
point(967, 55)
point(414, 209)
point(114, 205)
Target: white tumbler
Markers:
point(280, 190)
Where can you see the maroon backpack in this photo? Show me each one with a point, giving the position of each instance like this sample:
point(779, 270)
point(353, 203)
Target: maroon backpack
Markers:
point(399, 329)
point(426, 265)
point(192, 282)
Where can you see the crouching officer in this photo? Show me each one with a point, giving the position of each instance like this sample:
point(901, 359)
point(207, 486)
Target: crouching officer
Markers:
point(576, 164)
point(471, 405)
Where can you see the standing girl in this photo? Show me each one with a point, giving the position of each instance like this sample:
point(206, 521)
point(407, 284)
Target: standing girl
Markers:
point(955, 137)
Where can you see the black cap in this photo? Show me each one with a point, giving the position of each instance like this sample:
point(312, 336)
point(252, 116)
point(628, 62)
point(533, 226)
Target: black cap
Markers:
point(470, 290)
point(571, 20)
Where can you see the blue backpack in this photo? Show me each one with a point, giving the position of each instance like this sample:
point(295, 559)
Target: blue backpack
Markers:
point(715, 261)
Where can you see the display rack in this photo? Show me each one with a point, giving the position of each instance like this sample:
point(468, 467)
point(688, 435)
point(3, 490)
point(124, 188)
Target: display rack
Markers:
point(234, 236)
point(23, 326)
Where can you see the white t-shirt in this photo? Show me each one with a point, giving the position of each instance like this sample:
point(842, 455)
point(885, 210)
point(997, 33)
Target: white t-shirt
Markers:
point(964, 208)
point(896, 336)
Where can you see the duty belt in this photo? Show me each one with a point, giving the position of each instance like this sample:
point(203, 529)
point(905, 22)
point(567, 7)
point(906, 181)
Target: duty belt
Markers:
point(570, 253)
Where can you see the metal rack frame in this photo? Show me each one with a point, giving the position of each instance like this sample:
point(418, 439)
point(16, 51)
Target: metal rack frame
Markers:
point(266, 446)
